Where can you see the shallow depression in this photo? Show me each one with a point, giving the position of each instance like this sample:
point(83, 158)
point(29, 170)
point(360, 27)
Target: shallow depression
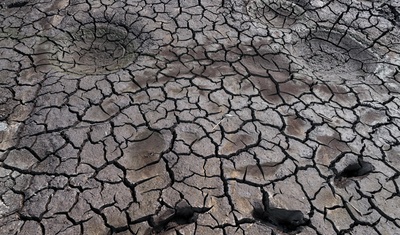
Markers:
point(95, 49)
point(279, 14)
point(331, 53)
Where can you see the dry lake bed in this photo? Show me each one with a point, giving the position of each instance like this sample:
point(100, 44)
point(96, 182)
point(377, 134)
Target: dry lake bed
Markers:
point(217, 117)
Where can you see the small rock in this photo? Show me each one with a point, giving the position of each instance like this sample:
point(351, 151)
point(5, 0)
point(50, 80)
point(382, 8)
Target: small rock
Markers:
point(3, 126)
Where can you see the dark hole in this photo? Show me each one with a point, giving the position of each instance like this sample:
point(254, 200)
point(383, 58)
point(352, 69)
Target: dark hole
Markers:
point(17, 4)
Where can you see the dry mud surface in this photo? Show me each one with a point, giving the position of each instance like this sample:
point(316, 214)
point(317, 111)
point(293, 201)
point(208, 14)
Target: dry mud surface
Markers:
point(199, 117)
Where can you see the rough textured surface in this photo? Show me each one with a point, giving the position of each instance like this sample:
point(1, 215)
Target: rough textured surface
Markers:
point(182, 117)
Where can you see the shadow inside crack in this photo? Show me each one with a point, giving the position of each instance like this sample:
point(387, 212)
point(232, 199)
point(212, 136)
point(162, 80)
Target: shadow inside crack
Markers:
point(288, 221)
point(175, 218)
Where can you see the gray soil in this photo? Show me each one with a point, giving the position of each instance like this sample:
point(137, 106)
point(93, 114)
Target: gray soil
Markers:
point(199, 117)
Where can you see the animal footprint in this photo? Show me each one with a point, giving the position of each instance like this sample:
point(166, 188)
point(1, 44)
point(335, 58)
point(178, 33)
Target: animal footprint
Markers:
point(359, 168)
point(285, 220)
point(175, 218)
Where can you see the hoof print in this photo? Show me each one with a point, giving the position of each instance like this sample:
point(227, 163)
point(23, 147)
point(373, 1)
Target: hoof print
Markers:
point(17, 4)
point(175, 218)
point(288, 220)
point(283, 219)
point(359, 168)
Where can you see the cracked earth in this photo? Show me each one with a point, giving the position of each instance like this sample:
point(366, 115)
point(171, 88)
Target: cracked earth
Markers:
point(199, 117)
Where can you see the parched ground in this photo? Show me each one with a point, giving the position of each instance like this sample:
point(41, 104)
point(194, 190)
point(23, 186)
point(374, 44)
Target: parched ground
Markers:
point(199, 117)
